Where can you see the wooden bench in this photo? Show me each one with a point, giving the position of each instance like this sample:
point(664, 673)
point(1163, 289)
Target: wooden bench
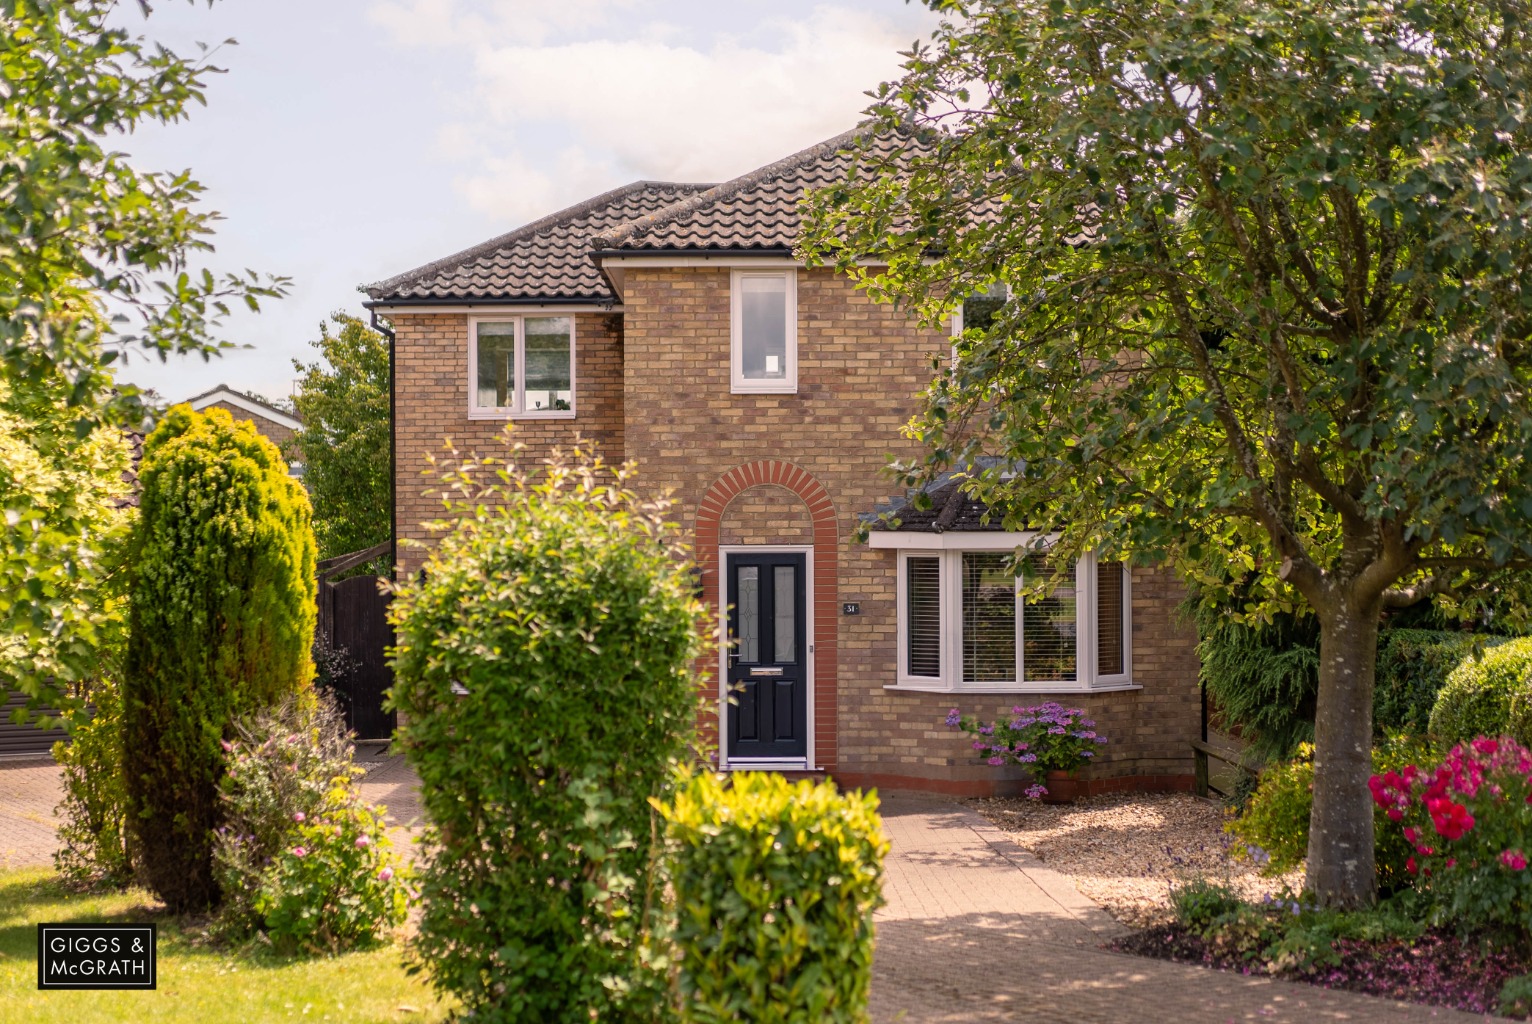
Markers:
point(1203, 752)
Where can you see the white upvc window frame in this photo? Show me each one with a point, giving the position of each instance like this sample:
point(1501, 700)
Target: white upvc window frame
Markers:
point(949, 557)
point(739, 384)
point(516, 411)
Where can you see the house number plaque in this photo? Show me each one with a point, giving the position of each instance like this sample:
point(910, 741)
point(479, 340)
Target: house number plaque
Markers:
point(851, 608)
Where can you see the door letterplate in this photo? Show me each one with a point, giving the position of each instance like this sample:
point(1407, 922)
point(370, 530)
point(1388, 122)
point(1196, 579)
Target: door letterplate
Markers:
point(766, 671)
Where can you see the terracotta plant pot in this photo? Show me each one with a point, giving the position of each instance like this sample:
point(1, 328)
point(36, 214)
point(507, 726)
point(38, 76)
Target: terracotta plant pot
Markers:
point(1063, 787)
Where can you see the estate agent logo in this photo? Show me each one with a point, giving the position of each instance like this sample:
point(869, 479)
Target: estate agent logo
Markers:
point(115, 956)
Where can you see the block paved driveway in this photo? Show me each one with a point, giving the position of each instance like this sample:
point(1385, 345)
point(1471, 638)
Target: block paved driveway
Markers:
point(975, 928)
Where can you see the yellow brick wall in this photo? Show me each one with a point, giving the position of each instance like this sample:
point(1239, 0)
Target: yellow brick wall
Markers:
point(653, 386)
point(431, 408)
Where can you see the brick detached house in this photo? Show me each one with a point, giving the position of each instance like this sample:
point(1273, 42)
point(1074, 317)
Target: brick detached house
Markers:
point(670, 324)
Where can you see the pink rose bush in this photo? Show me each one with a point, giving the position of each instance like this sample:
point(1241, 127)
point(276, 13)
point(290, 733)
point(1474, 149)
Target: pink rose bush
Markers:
point(1468, 821)
point(339, 888)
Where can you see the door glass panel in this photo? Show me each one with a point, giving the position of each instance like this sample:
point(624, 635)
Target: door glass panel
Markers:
point(786, 614)
point(748, 614)
point(496, 370)
point(548, 370)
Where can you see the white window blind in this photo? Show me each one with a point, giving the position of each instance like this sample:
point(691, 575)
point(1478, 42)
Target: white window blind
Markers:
point(923, 611)
point(1109, 619)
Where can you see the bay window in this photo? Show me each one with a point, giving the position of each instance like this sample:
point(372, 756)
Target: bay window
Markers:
point(965, 622)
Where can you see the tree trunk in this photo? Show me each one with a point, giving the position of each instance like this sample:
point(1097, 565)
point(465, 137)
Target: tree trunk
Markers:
point(1340, 860)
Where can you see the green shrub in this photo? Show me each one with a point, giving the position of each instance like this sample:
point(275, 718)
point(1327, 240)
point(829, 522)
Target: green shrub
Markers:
point(1274, 827)
point(334, 886)
point(1477, 698)
point(1515, 997)
point(1413, 666)
point(543, 668)
point(1262, 678)
point(221, 623)
point(775, 886)
point(94, 848)
point(283, 763)
point(1200, 902)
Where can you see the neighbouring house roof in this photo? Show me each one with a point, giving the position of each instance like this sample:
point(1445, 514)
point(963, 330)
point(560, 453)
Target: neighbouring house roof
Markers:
point(758, 211)
point(240, 400)
point(547, 260)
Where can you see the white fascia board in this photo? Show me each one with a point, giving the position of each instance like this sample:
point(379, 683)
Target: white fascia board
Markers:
point(241, 402)
point(491, 309)
point(952, 540)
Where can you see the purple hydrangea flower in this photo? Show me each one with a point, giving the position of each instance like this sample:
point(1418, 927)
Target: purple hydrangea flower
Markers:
point(996, 761)
point(954, 719)
point(1036, 791)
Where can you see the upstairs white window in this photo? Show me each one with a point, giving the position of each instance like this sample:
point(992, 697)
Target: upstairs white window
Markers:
point(964, 623)
point(763, 331)
point(521, 367)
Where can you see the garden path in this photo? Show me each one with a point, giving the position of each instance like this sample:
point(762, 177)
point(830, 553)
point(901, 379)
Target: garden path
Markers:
point(978, 930)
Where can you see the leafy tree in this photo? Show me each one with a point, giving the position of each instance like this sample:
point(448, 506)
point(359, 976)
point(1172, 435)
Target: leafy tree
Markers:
point(66, 521)
point(88, 241)
point(343, 402)
point(220, 625)
point(1266, 261)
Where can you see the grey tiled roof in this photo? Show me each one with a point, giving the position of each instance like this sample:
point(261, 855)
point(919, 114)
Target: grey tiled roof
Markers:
point(545, 260)
point(757, 211)
point(951, 511)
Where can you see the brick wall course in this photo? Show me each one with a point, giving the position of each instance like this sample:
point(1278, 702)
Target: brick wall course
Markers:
point(431, 409)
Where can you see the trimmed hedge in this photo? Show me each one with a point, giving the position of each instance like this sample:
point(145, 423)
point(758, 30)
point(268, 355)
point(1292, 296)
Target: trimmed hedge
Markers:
point(544, 669)
point(221, 624)
point(1477, 698)
point(776, 884)
point(1413, 666)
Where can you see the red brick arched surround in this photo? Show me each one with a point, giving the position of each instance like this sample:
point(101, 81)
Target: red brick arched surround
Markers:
point(826, 569)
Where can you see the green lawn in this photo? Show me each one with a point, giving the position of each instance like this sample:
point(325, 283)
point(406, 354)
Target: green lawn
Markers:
point(197, 984)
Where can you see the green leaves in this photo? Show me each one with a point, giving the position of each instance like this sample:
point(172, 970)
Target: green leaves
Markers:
point(776, 884)
point(84, 235)
point(561, 605)
point(1297, 302)
point(344, 444)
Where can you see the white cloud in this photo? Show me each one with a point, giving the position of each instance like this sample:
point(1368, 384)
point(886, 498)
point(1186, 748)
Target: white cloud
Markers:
point(577, 96)
point(458, 23)
point(516, 189)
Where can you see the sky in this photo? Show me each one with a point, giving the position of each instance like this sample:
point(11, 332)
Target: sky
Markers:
point(351, 140)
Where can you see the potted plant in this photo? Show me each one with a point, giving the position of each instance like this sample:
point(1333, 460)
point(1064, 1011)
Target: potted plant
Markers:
point(1050, 739)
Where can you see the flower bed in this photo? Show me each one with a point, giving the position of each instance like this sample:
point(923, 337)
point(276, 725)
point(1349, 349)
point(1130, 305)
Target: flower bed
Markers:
point(1439, 968)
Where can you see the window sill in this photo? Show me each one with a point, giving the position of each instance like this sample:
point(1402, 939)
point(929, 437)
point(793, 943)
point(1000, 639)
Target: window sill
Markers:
point(1035, 690)
point(556, 414)
point(777, 389)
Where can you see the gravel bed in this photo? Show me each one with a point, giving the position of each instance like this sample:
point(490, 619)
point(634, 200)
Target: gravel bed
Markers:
point(1125, 851)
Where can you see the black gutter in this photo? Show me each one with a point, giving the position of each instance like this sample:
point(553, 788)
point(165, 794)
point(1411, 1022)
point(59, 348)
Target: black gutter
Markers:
point(563, 300)
point(393, 446)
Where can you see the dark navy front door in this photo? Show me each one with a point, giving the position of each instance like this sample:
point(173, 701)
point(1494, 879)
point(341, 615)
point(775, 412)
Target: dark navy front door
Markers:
point(768, 657)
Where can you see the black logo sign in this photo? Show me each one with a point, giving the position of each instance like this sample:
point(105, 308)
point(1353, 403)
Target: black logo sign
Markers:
point(96, 955)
